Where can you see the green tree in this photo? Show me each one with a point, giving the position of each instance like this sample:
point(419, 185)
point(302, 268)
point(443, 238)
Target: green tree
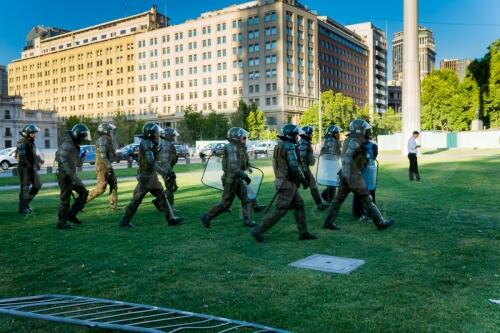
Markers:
point(337, 109)
point(256, 124)
point(239, 118)
point(492, 102)
point(215, 126)
point(191, 127)
point(388, 122)
point(446, 103)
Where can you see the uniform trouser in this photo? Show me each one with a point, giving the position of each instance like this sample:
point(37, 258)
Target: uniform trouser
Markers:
point(232, 188)
point(29, 183)
point(357, 206)
point(413, 170)
point(104, 178)
point(357, 185)
point(313, 187)
point(170, 188)
point(145, 185)
point(329, 193)
point(288, 198)
point(67, 187)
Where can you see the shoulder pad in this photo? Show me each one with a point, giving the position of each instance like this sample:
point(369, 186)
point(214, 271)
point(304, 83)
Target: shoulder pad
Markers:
point(147, 144)
point(353, 144)
point(289, 145)
point(230, 148)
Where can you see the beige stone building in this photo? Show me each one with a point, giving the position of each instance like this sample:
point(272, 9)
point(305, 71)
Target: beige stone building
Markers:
point(426, 53)
point(263, 52)
point(457, 65)
point(91, 71)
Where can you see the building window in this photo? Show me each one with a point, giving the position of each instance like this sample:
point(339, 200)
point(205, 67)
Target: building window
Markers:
point(7, 114)
point(8, 132)
point(47, 133)
point(8, 143)
point(47, 144)
point(271, 121)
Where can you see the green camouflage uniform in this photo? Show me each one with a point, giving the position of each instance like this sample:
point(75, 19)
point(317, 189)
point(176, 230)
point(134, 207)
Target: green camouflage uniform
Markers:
point(234, 163)
point(68, 159)
point(168, 159)
point(331, 146)
point(288, 172)
point(351, 180)
point(27, 167)
point(308, 160)
point(105, 155)
point(148, 182)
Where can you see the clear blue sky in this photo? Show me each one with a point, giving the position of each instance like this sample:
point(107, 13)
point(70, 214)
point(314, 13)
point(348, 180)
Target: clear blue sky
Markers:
point(462, 28)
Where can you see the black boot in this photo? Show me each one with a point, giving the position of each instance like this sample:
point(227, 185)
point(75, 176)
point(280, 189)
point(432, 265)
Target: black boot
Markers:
point(257, 235)
point(205, 220)
point(377, 217)
point(411, 175)
point(174, 220)
point(63, 225)
point(72, 218)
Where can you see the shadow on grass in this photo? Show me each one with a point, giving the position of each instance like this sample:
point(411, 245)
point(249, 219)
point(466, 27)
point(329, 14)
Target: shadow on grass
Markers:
point(436, 151)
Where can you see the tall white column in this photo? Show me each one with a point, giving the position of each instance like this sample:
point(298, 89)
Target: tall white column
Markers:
point(411, 73)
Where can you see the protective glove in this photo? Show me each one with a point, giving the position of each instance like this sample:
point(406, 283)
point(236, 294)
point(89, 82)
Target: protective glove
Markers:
point(247, 179)
point(171, 175)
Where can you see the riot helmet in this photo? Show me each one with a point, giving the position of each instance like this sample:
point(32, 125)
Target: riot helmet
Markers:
point(106, 128)
point(237, 134)
point(307, 132)
point(358, 127)
point(289, 132)
point(169, 134)
point(80, 133)
point(332, 130)
point(151, 131)
point(29, 129)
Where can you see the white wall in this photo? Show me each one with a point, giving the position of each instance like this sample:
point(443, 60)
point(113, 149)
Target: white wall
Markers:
point(479, 139)
point(435, 140)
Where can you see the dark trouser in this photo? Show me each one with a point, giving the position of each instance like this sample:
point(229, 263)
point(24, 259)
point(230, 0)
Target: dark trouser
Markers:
point(170, 188)
point(147, 184)
point(232, 188)
point(288, 198)
point(357, 185)
point(67, 187)
point(104, 178)
point(329, 193)
point(357, 206)
point(313, 187)
point(29, 183)
point(413, 170)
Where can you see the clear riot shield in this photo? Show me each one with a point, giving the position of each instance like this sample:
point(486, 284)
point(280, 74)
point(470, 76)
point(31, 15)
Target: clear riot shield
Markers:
point(370, 173)
point(213, 173)
point(327, 172)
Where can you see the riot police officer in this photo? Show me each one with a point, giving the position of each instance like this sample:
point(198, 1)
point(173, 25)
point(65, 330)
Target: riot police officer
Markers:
point(289, 175)
point(234, 165)
point(351, 180)
point(27, 167)
point(332, 146)
point(308, 160)
point(68, 159)
point(168, 159)
point(148, 179)
point(105, 155)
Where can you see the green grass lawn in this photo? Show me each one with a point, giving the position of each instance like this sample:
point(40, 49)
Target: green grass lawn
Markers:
point(432, 272)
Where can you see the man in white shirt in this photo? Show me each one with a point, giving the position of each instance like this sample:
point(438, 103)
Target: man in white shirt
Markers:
point(412, 156)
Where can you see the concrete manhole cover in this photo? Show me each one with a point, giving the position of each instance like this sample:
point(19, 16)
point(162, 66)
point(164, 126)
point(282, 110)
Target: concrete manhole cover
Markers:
point(330, 264)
